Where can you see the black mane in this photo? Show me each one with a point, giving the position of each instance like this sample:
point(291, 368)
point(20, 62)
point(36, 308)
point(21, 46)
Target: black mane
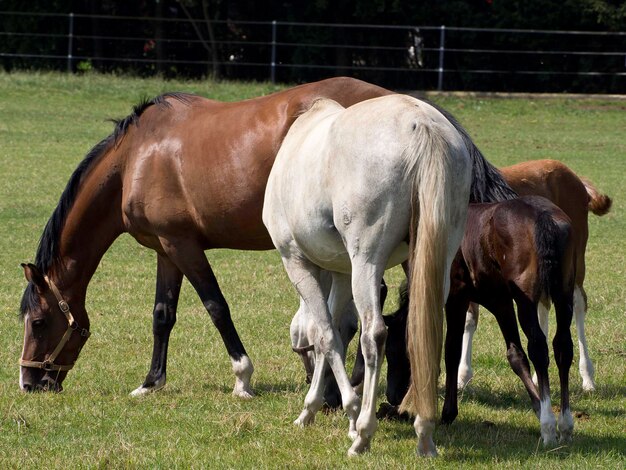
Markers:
point(48, 249)
point(488, 185)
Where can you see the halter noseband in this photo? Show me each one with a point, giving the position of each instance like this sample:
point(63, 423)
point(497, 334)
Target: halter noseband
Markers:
point(48, 364)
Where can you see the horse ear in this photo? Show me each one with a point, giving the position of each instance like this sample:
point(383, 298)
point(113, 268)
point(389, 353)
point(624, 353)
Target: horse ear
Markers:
point(33, 275)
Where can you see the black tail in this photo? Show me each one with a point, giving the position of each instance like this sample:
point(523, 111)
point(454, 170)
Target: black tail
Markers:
point(488, 185)
point(550, 240)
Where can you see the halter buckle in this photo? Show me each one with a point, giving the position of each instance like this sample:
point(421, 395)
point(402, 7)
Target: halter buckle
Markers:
point(63, 305)
point(47, 365)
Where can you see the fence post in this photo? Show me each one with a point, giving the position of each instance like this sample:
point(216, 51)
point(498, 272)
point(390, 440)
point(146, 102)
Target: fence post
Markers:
point(273, 63)
point(442, 38)
point(70, 40)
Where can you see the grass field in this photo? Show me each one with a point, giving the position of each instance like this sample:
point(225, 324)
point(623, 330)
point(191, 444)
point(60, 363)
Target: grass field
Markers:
point(49, 122)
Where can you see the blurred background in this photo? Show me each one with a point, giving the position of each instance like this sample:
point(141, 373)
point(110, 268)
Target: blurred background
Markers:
point(574, 46)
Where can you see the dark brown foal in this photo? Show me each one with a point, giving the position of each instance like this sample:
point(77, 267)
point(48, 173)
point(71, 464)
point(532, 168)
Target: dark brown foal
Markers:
point(519, 251)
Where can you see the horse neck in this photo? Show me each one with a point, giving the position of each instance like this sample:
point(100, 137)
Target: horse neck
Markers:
point(92, 225)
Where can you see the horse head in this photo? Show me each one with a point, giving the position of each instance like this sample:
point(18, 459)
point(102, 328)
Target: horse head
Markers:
point(52, 337)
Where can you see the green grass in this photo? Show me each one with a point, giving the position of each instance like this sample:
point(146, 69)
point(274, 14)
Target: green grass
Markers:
point(48, 122)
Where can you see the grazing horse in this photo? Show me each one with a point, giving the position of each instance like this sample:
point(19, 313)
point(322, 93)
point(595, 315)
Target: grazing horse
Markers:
point(576, 197)
point(181, 174)
point(350, 191)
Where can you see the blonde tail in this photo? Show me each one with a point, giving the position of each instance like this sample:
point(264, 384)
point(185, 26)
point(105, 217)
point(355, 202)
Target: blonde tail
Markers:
point(427, 258)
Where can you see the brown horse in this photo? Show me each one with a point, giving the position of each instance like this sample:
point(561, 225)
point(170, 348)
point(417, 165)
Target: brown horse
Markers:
point(576, 197)
point(181, 174)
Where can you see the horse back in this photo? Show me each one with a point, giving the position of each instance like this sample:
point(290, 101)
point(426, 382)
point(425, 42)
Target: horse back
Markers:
point(525, 242)
point(558, 183)
point(199, 168)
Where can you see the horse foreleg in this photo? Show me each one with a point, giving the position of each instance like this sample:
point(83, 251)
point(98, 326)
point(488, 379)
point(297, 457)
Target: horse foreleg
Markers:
point(538, 353)
point(456, 306)
point(585, 366)
point(191, 260)
point(169, 280)
point(465, 367)
point(563, 355)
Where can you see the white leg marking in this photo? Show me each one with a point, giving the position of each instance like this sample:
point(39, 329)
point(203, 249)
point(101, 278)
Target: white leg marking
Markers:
point(543, 314)
point(566, 426)
point(585, 366)
point(548, 422)
point(141, 391)
point(21, 378)
point(425, 444)
point(243, 370)
point(465, 367)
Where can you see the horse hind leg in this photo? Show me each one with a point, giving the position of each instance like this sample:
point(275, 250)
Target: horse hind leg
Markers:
point(543, 314)
point(585, 365)
point(191, 260)
point(324, 315)
point(538, 354)
point(505, 316)
point(564, 355)
point(465, 367)
point(169, 280)
point(366, 288)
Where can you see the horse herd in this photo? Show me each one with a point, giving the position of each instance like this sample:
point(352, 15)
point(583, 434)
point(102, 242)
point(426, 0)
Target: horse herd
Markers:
point(345, 179)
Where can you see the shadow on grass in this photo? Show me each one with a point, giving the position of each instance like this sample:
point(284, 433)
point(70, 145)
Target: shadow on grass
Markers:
point(520, 400)
point(470, 440)
point(266, 388)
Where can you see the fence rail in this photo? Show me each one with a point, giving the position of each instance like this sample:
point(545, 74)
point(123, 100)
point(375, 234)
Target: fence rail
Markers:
point(406, 56)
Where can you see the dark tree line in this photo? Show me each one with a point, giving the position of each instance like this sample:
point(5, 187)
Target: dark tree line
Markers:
point(225, 39)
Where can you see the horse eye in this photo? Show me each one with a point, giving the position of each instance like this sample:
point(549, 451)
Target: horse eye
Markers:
point(38, 324)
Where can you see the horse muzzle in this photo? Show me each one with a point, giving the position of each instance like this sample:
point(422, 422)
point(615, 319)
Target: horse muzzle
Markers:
point(41, 383)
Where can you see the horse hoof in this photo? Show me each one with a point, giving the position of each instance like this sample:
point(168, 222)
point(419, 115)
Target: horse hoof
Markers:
point(306, 418)
point(464, 377)
point(359, 446)
point(142, 391)
point(426, 447)
point(566, 428)
point(427, 453)
point(589, 386)
point(565, 437)
point(244, 394)
point(549, 437)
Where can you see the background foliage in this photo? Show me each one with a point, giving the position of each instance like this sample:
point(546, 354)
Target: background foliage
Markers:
point(226, 34)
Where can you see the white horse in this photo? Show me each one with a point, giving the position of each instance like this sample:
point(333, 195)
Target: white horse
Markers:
point(350, 191)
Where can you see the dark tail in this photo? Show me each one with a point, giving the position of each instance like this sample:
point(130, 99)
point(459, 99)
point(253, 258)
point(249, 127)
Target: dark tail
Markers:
point(488, 185)
point(551, 240)
point(599, 203)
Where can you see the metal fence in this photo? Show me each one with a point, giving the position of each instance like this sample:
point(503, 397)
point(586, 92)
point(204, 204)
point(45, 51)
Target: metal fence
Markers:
point(409, 57)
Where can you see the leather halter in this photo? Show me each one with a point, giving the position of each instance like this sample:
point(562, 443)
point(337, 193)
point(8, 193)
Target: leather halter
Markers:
point(48, 364)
